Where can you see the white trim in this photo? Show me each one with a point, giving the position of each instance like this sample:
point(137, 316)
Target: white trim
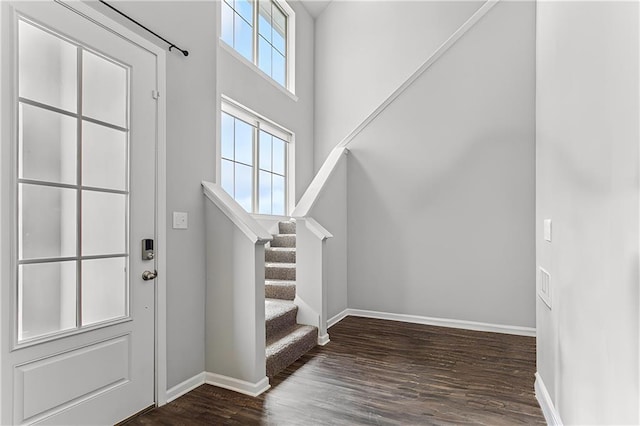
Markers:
point(323, 340)
point(240, 386)
point(231, 51)
point(438, 322)
point(161, 235)
point(316, 229)
point(291, 46)
point(258, 216)
point(315, 188)
point(185, 387)
point(235, 108)
point(236, 213)
point(551, 415)
point(337, 318)
point(425, 66)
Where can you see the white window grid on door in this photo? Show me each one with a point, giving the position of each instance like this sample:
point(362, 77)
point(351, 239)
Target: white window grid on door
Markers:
point(81, 190)
point(260, 124)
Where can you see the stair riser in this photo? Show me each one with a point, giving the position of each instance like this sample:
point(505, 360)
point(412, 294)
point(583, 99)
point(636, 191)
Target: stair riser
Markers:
point(282, 292)
point(280, 256)
point(282, 360)
point(278, 273)
point(279, 325)
point(283, 241)
point(287, 227)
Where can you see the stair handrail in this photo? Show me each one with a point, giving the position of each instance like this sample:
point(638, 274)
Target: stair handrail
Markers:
point(315, 188)
point(318, 230)
point(234, 211)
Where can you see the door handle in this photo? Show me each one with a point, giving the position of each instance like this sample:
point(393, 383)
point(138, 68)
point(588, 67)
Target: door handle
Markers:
point(148, 275)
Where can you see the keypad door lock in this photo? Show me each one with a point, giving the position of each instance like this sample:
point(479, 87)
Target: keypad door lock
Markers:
point(147, 249)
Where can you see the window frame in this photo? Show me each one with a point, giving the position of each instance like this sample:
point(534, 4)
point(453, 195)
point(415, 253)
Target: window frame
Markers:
point(259, 123)
point(290, 45)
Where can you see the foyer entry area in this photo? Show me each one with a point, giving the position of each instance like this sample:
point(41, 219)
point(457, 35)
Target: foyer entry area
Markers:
point(385, 373)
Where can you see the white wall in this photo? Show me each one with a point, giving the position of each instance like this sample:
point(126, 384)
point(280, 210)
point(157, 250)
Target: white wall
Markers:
point(587, 183)
point(441, 184)
point(191, 112)
point(242, 83)
point(365, 50)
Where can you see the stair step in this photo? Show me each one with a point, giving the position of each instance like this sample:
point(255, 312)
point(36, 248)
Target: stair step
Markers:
point(280, 254)
point(284, 290)
point(283, 240)
point(280, 271)
point(280, 316)
point(284, 350)
point(287, 227)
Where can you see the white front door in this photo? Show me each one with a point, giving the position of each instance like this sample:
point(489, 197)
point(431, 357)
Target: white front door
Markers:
point(78, 317)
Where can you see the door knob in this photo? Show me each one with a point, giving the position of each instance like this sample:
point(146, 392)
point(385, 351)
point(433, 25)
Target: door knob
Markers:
point(148, 275)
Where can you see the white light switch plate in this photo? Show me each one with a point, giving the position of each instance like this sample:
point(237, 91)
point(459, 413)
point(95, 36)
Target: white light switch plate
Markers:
point(547, 230)
point(180, 220)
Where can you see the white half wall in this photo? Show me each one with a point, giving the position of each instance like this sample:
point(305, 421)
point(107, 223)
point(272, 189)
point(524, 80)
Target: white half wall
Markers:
point(441, 184)
point(330, 210)
point(365, 50)
point(587, 167)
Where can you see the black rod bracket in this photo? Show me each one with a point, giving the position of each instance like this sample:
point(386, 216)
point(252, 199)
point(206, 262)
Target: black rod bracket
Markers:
point(171, 45)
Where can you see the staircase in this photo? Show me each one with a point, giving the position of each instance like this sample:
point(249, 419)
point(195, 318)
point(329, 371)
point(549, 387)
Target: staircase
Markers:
point(286, 339)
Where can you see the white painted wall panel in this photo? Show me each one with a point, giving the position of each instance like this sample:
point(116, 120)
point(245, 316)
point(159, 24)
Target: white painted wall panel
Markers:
point(441, 184)
point(588, 117)
point(365, 50)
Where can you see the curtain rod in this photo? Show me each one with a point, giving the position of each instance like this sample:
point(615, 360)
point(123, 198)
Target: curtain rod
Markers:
point(171, 45)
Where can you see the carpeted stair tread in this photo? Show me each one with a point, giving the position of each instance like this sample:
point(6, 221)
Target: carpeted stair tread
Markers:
point(286, 339)
point(287, 227)
point(280, 316)
point(280, 271)
point(283, 350)
point(280, 289)
point(280, 254)
point(283, 240)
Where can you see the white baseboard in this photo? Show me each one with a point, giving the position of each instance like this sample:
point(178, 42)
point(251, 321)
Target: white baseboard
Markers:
point(336, 319)
point(236, 385)
point(187, 386)
point(551, 415)
point(440, 322)
point(323, 340)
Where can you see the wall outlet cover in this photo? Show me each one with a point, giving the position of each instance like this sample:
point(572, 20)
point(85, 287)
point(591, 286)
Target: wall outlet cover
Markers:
point(547, 230)
point(544, 287)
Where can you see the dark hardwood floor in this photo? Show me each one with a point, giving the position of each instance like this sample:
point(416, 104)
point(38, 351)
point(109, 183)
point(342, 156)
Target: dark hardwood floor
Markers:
point(378, 372)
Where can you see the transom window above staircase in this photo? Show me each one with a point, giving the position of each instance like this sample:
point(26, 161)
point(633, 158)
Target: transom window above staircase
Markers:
point(262, 32)
point(255, 160)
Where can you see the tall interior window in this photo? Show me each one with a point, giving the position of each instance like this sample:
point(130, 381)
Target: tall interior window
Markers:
point(254, 161)
point(72, 185)
point(260, 31)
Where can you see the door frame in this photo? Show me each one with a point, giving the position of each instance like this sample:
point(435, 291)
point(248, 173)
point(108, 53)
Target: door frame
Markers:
point(7, 132)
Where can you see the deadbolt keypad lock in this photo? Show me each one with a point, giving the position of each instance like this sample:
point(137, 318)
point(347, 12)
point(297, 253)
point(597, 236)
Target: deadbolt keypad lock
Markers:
point(147, 249)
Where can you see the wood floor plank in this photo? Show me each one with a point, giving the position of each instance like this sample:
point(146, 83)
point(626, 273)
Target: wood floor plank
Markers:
point(376, 372)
